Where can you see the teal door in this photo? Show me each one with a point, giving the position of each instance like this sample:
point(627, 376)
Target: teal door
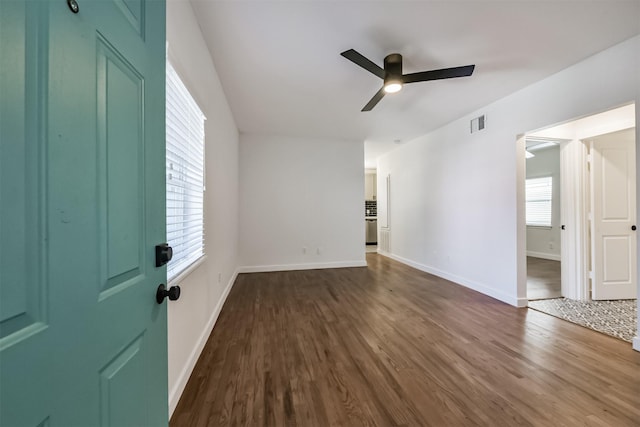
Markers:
point(82, 206)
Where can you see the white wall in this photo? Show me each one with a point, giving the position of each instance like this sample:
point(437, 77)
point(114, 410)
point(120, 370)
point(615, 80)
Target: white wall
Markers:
point(454, 204)
point(544, 242)
point(300, 193)
point(191, 318)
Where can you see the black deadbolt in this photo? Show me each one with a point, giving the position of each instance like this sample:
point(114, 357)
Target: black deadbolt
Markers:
point(633, 227)
point(164, 253)
point(73, 5)
point(562, 227)
point(173, 293)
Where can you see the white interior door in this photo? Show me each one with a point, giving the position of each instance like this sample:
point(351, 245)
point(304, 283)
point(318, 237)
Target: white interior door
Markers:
point(613, 203)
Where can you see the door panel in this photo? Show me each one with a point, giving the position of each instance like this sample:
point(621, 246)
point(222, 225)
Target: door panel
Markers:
point(616, 265)
point(121, 149)
point(119, 395)
point(133, 11)
point(614, 183)
point(613, 179)
point(82, 340)
point(22, 194)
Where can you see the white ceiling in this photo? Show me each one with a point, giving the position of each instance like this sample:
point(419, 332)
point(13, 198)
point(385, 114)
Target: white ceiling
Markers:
point(280, 63)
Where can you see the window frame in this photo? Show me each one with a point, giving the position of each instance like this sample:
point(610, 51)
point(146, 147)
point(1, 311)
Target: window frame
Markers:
point(549, 200)
point(184, 175)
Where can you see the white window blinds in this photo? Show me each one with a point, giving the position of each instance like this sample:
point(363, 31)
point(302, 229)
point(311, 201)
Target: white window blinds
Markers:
point(538, 198)
point(185, 175)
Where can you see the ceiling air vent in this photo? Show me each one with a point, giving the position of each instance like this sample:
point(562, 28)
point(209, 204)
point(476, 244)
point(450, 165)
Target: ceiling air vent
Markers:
point(477, 124)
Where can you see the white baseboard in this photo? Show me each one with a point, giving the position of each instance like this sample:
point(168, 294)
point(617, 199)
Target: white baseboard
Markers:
point(543, 255)
point(636, 343)
point(467, 283)
point(292, 267)
point(183, 378)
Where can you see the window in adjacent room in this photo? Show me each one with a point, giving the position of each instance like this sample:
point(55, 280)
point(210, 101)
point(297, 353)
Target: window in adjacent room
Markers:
point(538, 199)
point(185, 175)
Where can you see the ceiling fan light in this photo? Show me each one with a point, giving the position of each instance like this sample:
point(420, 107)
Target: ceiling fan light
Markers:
point(392, 87)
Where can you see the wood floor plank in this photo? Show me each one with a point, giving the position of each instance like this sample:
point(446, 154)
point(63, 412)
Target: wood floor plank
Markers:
point(389, 345)
point(543, 279)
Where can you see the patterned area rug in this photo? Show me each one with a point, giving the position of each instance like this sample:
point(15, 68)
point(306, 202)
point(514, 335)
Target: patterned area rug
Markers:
point(615, 318)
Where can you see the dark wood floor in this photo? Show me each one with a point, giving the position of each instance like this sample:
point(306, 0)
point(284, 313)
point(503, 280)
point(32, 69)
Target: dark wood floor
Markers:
point(389, 345)
point(543, 279)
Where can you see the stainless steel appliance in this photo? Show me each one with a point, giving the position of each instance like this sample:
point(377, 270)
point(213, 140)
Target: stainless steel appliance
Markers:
point(371, 231)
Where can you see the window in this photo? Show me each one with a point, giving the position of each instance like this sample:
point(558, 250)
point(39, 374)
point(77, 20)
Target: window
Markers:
point(185, 175)
point(538, 196)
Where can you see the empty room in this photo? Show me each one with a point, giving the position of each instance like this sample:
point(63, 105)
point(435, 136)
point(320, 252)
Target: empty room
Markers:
point(319, 213)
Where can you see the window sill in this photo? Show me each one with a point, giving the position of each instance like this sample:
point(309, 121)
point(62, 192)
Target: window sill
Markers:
point(187, 271)
point(540, 227)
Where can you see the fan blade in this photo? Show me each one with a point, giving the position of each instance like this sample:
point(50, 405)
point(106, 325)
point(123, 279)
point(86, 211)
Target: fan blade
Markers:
point(365, 63)
point(444, 73)
point(376, 98)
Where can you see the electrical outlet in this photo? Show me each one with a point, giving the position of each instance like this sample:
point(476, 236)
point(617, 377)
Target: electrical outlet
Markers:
point(319, 251)
point(219, 277)
point(304, 250)
point(550, 245)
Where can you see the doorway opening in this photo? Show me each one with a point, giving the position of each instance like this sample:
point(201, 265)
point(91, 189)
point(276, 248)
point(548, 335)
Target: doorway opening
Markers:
point(579, 230)
point(542, 206)
point(371, 210)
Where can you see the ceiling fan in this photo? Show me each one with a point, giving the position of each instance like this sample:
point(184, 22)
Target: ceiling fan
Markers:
point(393, 77)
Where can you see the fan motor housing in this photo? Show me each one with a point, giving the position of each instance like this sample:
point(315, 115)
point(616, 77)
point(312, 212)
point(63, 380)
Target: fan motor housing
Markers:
point(393, 65)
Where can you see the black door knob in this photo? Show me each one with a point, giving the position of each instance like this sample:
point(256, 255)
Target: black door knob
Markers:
point(173, 293)
point(164, 253)
point(633, 227)
point(562, 227)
